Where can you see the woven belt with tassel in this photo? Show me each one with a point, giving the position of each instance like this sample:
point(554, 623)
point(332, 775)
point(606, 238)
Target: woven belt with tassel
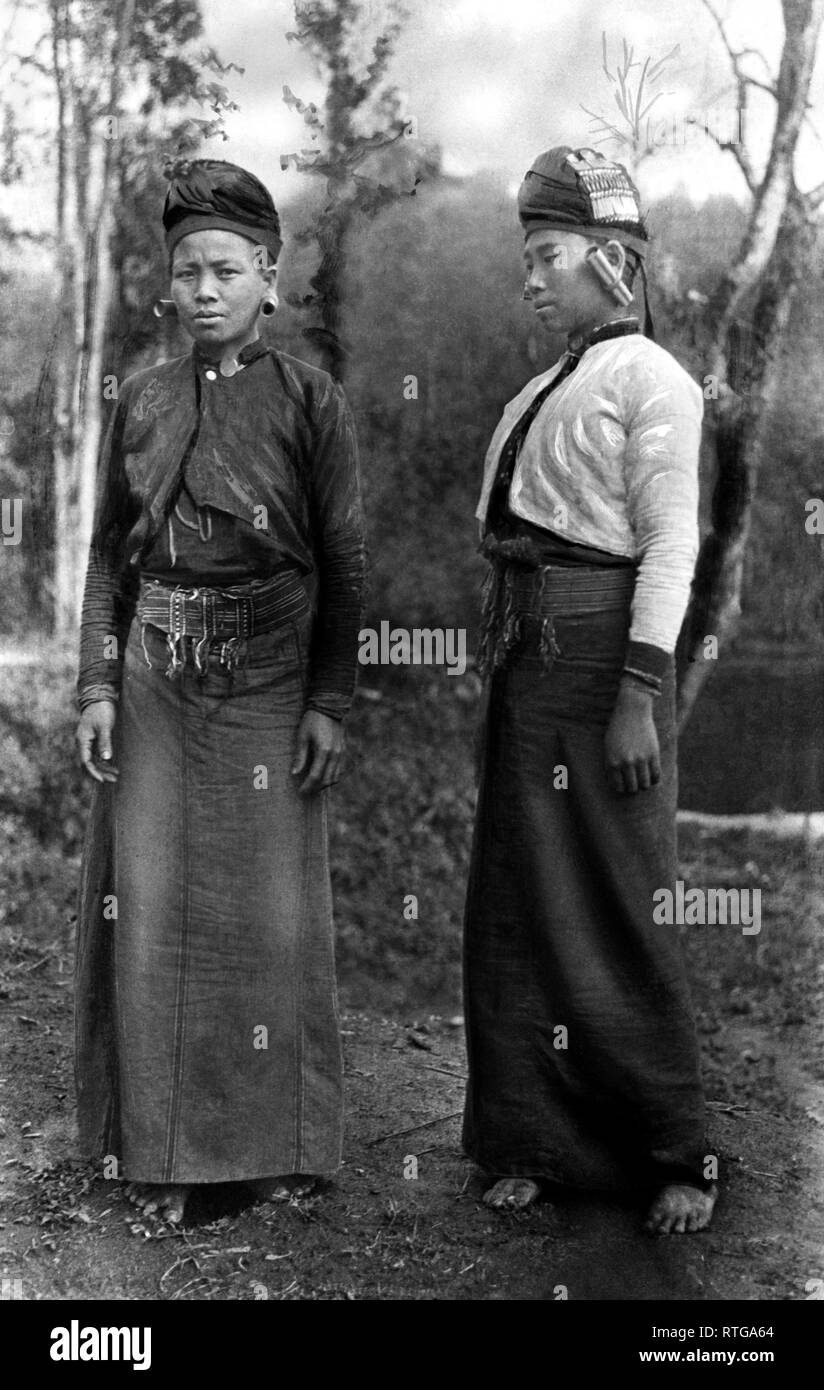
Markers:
point(514, 592)
point(205, 616)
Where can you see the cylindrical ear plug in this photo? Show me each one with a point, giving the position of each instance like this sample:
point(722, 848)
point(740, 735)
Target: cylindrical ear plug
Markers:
point(609, 274)
point(164, 309)
point(269, 304)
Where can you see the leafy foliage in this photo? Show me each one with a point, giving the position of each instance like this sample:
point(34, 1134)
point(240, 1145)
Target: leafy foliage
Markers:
point(361, 117)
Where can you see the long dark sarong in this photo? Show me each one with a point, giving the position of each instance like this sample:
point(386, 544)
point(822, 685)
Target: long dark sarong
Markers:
point(208, 1047)
point(559, 931)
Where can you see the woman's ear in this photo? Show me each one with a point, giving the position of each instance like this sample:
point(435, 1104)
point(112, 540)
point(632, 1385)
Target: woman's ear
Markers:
point(270, 301)
point(608, 262)
point(617, 255)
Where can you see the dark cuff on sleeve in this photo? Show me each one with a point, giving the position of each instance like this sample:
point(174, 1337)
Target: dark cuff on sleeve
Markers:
point(334, 706)
point(647, 664)
point(90, 694)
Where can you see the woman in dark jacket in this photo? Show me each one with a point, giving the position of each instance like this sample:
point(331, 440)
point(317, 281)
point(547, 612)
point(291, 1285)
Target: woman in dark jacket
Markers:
point(223, 601)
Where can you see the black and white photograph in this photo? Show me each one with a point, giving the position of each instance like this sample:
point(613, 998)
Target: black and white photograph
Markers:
point(412, 663)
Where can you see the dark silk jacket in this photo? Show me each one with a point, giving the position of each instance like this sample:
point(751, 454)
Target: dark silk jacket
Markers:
point(277, 436)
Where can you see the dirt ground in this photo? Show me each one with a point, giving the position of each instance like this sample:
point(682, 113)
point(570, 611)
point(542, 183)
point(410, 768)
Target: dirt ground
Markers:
point(404, 1220)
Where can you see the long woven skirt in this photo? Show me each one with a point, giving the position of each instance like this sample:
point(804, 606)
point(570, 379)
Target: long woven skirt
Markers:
point(208, 1045)
point(583, 1065)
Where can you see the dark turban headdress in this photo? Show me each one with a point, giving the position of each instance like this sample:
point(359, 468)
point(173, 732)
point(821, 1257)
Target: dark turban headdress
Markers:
point(580, 191)
point(569, 190)
point(210, 193)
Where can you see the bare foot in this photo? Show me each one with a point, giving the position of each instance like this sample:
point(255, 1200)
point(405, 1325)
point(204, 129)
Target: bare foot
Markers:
point(283, 1189)
point(165, 1200)
point(679, 1209)
point(512, 1193)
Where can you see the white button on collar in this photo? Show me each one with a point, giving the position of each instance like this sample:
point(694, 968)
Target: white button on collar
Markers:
point(210, 375)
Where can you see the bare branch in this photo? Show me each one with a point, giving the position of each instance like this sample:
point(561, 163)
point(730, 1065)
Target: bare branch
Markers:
point(769, 87)
point(735, 55)
point(743, 81)
point(607, 129)
point(604, 47)
point(736, 149)
point(745, 52)
point(656, 67)
point(731, 54)
point(4, 42)
point(813, 200)
point(816, 134)
point(631, 104)
point(27, 60)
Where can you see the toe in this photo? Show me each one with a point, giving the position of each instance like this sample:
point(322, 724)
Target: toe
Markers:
point(511, 1194)
point(283, 1189)
point(680, 1210)
point(173, 1204)
point(655, 1224)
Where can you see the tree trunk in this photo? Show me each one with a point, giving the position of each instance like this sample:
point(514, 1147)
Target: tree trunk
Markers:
point(91, 409)
point(70, 327)
point(742, 416)
point(769, 264)
point(86, 288)
point(327, 285)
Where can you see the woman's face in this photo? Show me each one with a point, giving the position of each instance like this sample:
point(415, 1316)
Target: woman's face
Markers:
point(565, 292)
point(218, 282)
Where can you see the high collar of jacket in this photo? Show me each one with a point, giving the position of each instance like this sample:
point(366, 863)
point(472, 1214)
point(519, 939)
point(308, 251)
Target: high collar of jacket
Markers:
point(249, 353)
point(618, 328)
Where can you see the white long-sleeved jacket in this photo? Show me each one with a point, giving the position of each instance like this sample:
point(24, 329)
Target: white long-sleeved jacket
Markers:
point(611, 461)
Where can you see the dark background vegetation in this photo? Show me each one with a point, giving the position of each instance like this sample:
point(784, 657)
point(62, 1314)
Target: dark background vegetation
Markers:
point(433, 286)
point(432, 291)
